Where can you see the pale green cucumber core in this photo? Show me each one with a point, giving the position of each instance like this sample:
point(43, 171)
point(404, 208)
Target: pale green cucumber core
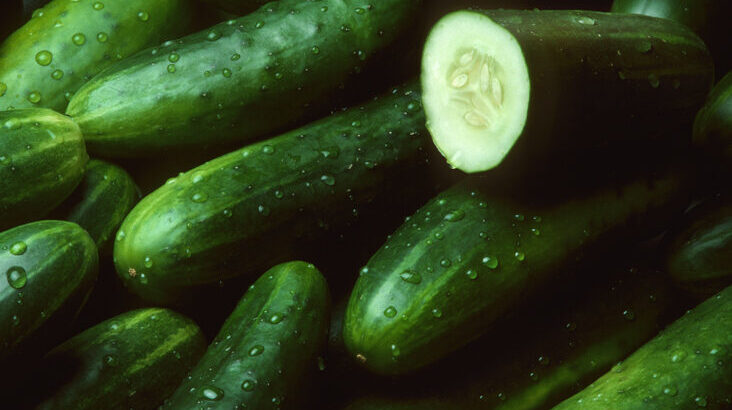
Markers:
point(476, 90)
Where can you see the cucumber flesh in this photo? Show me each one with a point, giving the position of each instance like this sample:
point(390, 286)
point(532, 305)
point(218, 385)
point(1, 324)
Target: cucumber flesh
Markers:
point(476, 81)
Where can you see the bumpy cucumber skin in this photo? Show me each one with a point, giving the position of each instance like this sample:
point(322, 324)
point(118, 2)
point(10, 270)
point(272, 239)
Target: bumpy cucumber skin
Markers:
point(685, 367)
point(238, 80)
point(220, 220)
point(581, 63)
point(109, 33)
point(699, 254)
point(100, 203)
point(238, 7)
point(60, 262)
point(272, 340)
point(713, 124)
point(534, 243)
point(42, 160)
point(134, 360)
point(548, 357)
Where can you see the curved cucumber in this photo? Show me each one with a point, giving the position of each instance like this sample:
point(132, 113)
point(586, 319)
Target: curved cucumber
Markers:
point(267, 348)
point(67, 42)
point(713, 125)
point(48, 268)
point(496, 92)
point(256, 206)
point(470, 256)
point(685, 367)
point(101, 201)
point(134, 360)
point(237, 81)
point(547, 357)
point(42, 159)
point(699, 256)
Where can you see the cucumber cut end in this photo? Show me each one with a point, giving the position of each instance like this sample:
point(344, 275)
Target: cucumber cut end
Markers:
point(476, 90)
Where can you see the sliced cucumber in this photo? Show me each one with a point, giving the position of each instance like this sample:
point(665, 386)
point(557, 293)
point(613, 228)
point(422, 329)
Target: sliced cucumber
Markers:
point(547, 85)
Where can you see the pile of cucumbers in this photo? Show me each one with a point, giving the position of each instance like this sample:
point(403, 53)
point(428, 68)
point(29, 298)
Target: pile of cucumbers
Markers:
point(366, 205)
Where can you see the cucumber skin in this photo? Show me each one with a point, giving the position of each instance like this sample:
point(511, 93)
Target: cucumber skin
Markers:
point(581, 339)
point(713, 124)
point(100, 203)
point(34, 181)
point(296, 291)
point(568, 232)
point(126, 34)
point(61, 266)
point(133, 360)
point(699, 250)
point(373, 153)
point(576, 85)
point(217, 109)
point(698, 376)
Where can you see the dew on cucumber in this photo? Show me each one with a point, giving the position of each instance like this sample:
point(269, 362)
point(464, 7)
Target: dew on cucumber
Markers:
point(143, 16)
point(454, 216)
point(199, 197)
point(98, 5)
point(490, 261)
point(212, 393)
point(411, 277)
point(44, 57)
point(17, 277)
point(328, 179)
point(18, 248)
point(390, 312)
point(248, 385)
point(102, 37)
point(57, 74)
point(79, 39)
point(34, 97)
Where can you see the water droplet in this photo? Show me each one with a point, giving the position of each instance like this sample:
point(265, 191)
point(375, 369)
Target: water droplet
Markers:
point(259, 24)
point(670, 390)
point(98, 5)
point(143, 16)
point(536, 231)
point(490, 261)
point(109, 361)
point(227, 213)
point(235, 56)
point(18, 248)
point(411, 277)
point(44, 57)
point(445, 262)
point(247, 385)
point(276, 318)
point(471, 274)
point(263, 210)
point(79, 39)
point(677, 356)
point(586, 20)
point(212, 393)
point(327, 180)
point(628, 314)
point(213, 35)
point(571, 326)
point(520, 256)
point(226, 72)
point(315, 50)
point(174, 57)
point(171, 68)
point(390, 312)
point(57, 74)
point(13, 124)
point(268, 149)
point(148, 262)
point(199, 197)
point(437, 313)
point(34, 97)
point(102, 37)
point(700, 401)
point(279, 194)
point(519, 217)
point(256, 350)
point(395, 352)
point(17, 277)
point(544, 361)
point(454, 216)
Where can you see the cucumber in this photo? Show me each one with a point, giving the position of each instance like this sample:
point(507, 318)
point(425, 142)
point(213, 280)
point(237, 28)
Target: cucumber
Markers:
point(67, 42)
point(289, 191)
point(471, 255)
point(685, 367)
point(699, 253)
point(549, 93)
point(238, 7)
point(713, 125)
point(267, 348)
point(242, 79)
point(134, 360)
point(706, 17)
point(49, 268)
point(105, 196)
point(42, 159)
point(548, 356)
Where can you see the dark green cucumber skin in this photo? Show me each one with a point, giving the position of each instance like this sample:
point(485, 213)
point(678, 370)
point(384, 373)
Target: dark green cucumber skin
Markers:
point(238, 7)
point(699, 253)
point(134, 360)
point(126, 34)
point(579, 72)
point(60, 263)
point(713, 124)
point(290, 345)
point(684, 367)
point(290, 190)
point(706, 17)
point(101, 201)
point(578, 341)
point(292, 55)
point(42, 159)
point(454, 232)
